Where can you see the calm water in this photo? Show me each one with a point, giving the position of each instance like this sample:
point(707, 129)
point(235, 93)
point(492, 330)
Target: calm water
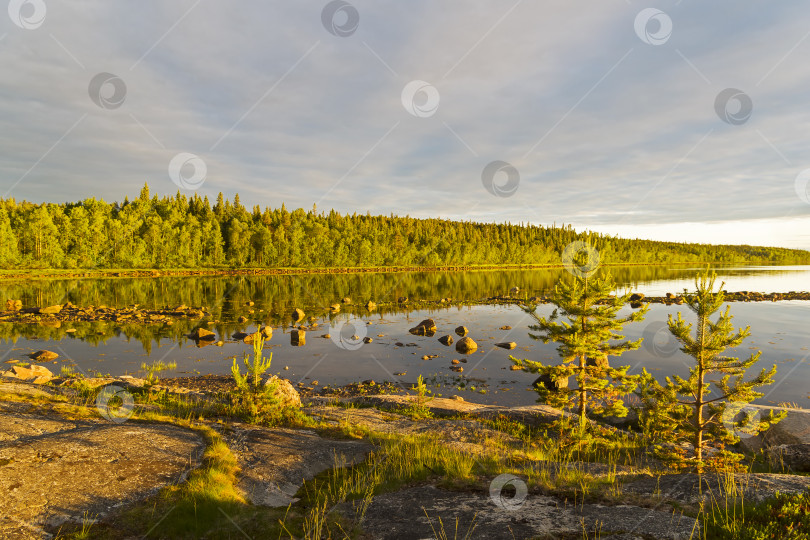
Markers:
point(779, 329)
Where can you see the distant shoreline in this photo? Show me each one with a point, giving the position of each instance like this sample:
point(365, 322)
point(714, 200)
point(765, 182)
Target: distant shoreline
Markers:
point(52, 273)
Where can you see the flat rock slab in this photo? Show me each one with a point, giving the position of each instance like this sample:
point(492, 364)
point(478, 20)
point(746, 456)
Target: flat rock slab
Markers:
point(53, 470)
point(409, 514)
point(688, 489)
point(531, 415)
point(459, 434)
point(276, 462)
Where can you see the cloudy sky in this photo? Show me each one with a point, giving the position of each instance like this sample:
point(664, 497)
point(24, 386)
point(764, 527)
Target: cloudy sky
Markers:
point(670, 120)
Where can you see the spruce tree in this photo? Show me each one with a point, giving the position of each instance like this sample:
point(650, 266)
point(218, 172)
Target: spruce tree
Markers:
point(688, 410)
point(587, 332)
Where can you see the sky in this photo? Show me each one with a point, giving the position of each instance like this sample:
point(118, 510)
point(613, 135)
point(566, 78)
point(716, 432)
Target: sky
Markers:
point(676, 120)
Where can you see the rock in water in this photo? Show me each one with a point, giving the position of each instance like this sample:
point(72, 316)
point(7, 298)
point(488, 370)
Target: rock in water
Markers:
point(44, 356)
point(13, 305)
point(506, 345)
point(461, 331)
point(466, 345)
point(203, 334)
point(266, 332)
point(298, 338)
point(370, 305)
point(553, 385)
point(446, 340)
point(297, 314)
point(334, 307)
point(424, 328)
point(50, 310)
point(346, 300)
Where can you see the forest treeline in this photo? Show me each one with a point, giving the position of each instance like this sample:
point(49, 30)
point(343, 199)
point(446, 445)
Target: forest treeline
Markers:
point(190, 232)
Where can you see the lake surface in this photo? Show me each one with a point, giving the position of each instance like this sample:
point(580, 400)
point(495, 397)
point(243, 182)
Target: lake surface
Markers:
point(779, 329)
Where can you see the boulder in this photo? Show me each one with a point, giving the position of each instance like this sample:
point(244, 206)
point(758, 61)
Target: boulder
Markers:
point(266, 332)
point(202, 334)
point(506, 345)
point(424, 328)
point(636, 297)
point(297, 314)
point(50, 310)
point(601, 362)
point(35, 374)
point(552, 385)
point(298, 338)
point(446, 340)
point(461, 331)
point(43, 356)
point(792, 430)
point(239, 335)
point(466, 345)
point(285, 391)
point(13, 305)
point(790, 457)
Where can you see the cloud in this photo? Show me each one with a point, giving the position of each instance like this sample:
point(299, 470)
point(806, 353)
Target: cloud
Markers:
point(606, 130)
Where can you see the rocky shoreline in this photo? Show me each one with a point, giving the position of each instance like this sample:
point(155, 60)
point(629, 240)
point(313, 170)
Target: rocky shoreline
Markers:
point(16, 312)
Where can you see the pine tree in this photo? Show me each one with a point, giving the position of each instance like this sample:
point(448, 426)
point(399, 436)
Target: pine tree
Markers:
point(685, 410)
point(587, 339)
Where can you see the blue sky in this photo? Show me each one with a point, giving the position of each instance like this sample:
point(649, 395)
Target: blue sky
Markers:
point(609, 118)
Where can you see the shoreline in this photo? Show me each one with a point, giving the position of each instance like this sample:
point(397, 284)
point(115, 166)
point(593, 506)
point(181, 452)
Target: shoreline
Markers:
point(57, 273)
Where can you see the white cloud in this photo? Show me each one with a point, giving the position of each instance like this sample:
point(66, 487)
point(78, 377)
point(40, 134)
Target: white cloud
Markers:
point(624, 143)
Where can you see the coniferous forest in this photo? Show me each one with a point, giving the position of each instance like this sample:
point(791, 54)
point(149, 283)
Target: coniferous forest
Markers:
point(190, 232)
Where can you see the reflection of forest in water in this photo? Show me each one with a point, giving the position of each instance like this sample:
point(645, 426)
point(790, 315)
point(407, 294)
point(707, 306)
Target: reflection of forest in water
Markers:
point(274, 297)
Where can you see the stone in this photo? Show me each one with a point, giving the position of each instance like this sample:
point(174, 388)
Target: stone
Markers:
point(370, 305)
point(790, 457)
point(457, 369)
point(461, 331)
point(242, 319)
point(346, 300)
point(13, 305)
point(334, 307)
point(266, 332)
point(424, 328)
point(505, 327)
point(506, 345)
point(297, 314)
point(298, 338)
point(44, 356)
point(466, 345)
point(50, 310)
point(601, 362)
point(239, 335)
point(636, 297)
point(552, 385)
point(367, 340)
point(454, 361)
point(203, 334)
point(287, 393)
point(446, 340)
point(35, 374)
